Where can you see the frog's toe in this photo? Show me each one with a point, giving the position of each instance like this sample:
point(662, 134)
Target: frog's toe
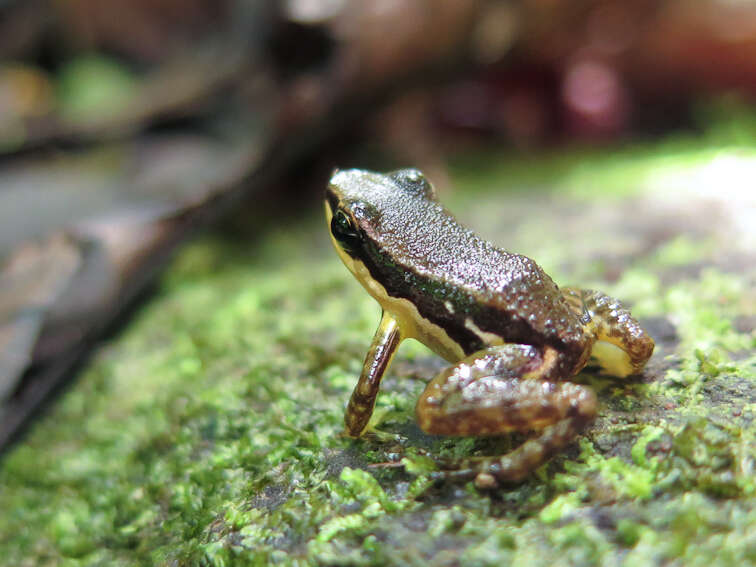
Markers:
point(622, 346)
point(381, 436)
point(516, 465)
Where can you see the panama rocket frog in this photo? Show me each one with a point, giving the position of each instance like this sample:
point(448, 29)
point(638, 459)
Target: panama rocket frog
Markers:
point(513, 337)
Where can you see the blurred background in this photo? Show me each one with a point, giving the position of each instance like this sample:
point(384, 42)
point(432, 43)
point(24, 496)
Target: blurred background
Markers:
point(162, 165)
point(126, 126)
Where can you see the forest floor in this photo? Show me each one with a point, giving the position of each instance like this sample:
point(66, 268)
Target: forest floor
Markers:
point(209, 431)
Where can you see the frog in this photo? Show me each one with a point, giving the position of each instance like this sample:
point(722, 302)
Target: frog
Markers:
point(514, 340)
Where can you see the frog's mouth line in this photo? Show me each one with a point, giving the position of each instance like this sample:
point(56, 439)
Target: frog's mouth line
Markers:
point(346, 258)
point(329, 208)
point(332, 203)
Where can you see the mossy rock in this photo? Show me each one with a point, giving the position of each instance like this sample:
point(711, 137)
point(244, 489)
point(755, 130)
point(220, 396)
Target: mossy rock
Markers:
point(210, 431)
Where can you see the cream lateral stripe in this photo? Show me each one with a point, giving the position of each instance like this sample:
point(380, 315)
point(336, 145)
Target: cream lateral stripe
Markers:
point(411, 323)
point(489, 339)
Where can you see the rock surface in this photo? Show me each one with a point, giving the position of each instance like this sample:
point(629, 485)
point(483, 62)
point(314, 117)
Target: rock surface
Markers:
point(208, 432)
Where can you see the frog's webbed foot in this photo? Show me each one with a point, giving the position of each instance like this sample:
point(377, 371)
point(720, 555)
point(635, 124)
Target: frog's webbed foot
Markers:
point(622, 347)
point(496, 391)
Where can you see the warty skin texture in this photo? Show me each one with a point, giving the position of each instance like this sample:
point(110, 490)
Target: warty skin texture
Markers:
point(513, 336)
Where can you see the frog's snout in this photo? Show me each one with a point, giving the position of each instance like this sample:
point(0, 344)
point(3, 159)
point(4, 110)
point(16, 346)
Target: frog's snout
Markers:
point(342, 178)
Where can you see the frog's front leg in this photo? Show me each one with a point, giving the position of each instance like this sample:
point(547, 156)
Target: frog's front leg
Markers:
point(622, 347)
point(385, 342)
point(498, 390)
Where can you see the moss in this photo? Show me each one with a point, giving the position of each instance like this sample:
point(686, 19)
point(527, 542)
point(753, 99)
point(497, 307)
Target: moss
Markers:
point(209, 432)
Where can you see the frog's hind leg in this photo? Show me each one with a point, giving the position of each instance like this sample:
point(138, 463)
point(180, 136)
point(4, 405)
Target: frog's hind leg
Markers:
point(622, 347)
point(496, 391)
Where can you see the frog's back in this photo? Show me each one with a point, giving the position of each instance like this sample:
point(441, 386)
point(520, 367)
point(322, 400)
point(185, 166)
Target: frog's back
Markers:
point(478, 293)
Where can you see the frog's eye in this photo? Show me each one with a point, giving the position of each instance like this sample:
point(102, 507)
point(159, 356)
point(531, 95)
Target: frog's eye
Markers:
point(414, 181)
point(344, 230)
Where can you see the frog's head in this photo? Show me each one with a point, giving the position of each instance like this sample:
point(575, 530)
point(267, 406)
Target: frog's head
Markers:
point(365, 208)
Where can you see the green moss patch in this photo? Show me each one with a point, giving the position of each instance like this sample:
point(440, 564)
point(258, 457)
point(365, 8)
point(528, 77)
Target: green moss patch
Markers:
point(209, 432)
